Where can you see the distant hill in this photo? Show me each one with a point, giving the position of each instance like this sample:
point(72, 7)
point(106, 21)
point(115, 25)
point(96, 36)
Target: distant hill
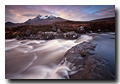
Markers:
point(10, 24)
point(111, 19)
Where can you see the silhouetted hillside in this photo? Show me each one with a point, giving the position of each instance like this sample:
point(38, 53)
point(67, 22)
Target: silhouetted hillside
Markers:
point(111, 19)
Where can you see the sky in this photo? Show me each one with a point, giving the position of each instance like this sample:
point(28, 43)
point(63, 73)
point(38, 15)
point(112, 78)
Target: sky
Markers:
point(21, 13)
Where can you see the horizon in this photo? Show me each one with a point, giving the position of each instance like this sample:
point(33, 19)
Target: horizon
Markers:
point(69, 12)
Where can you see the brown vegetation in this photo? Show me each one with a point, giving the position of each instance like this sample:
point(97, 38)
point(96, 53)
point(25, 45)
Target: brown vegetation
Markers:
point(67, 26)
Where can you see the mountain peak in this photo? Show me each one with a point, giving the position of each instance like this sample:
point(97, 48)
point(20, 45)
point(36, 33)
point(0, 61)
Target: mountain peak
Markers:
point(47, 19)
point(51, 17)
point(39, 15)
point(46, 16)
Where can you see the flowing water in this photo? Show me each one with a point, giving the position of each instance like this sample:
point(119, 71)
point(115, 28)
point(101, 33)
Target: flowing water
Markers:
point(39, 59)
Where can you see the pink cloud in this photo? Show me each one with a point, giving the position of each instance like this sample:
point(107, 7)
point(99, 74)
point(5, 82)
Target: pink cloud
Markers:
point(21, 13)
point(107, 12)
point(104, 9)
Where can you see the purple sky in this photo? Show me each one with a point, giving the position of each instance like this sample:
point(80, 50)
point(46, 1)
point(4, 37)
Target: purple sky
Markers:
point(21, 13)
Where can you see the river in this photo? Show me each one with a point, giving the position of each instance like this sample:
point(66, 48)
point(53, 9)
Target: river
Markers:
point(39, 59)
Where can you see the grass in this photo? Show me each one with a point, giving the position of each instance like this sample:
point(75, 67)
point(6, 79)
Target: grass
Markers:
point(63, 26)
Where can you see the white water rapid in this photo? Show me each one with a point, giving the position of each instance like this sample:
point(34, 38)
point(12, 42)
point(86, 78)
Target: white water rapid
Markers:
point(39, 59)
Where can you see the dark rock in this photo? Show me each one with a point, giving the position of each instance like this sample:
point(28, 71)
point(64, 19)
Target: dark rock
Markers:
point(40, 33)
point(18, 37)
point(80, 30)
point(59, 31)
point(28, 32)
point(106, 30)
point(86, 64)
point(71, 35)
point(98, 31)
point(48, 35)
point(83, 53)
point(54, 29)
point(90, 31)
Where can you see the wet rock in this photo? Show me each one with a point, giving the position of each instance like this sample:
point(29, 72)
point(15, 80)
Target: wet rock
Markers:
point(83, 53)
point(89, 31)
point(49, 35)
point(71, 35)
point(86, 64)
point(18, 37)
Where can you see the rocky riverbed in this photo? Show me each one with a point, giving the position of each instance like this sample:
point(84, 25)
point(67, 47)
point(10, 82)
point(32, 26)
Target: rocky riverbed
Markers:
point(54, 34)
point(83, 58)
point(85, 64)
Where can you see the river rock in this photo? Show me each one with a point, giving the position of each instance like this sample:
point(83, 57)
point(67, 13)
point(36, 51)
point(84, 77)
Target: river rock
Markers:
point(49, 35)
point(87, 66)
point(17, 37)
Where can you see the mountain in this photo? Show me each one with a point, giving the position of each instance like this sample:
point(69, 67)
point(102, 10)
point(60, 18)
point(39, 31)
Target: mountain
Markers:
point(43, 20)
point(38, 20)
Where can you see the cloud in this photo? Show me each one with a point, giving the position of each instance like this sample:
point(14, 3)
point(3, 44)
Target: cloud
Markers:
point(101, 13)
point(108, 12)
point(8, 19)
point(21, 13)
point(29, 15)
point(104, 9)
point(45, 12)
point(41, 12)
point(71, 12)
